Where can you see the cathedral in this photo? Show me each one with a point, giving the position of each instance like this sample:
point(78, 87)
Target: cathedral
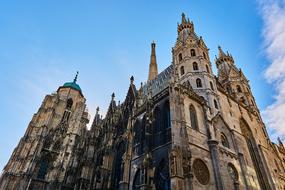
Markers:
point(183, 129)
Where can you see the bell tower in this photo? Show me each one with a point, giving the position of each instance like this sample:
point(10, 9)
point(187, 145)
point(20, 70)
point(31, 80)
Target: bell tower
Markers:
point(192, 64)
point(43, 156)
point(233, 80)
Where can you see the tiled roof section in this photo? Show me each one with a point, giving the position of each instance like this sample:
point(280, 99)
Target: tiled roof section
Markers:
point(159, 83)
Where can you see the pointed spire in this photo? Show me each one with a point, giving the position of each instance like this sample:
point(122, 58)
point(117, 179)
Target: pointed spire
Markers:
point(221, 52)
point(113, 96)
point(183, 20)
point(153, 65)
point(132, 79)
point(75, 78)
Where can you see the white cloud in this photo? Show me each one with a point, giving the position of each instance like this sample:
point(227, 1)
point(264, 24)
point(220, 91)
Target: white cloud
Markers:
point(273, 13)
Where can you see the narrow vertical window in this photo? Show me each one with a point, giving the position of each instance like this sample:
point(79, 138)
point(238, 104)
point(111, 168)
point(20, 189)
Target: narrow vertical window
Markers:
point(193, 117)
point(195, 66)
point(204, 55)
point(182, 71)
point(198, 83)
point(224, 140)
point(180, 57)
point(216, 104)
point(207, 68)
point(211, 85)
point(193, 53)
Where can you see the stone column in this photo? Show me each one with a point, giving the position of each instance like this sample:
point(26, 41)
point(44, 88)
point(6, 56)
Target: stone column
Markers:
point(216, 163)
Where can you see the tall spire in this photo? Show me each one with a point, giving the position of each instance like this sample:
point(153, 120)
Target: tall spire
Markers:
point(153, 65)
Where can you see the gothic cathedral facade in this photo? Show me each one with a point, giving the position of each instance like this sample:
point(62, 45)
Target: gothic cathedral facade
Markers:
point(184, 129)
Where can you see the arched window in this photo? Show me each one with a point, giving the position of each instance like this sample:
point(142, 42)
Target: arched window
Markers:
point(233, 172)
point(137, 137)
point(238, 88)
point(161, 176)
point(204, 55)
point(180, 57)
point(211, 85)
point(182, 70)
point(224, 141)
point(137, 180)
point(207, 68)
point(198, 83)
point(43, 168)
point(166, 133)
point(195, 66)
point(157, 126)
point(69, 103)
point(216, 104)
point(193, 53)
point(193, 117)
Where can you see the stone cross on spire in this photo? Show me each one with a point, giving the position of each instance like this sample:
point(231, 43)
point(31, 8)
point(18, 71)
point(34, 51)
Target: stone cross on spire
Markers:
point(153, 65)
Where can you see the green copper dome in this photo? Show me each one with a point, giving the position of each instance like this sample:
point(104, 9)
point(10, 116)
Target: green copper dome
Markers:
point(72, 85)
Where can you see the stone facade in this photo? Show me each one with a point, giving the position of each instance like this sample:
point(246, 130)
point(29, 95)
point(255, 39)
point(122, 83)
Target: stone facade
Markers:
point(185, 129)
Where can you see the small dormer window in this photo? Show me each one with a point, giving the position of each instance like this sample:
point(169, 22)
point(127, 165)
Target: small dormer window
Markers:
point(193, 53)
point(195, 66)
point(180, 57)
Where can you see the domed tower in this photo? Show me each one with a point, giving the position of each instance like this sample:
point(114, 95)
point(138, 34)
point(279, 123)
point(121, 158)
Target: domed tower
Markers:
point(233, 80)
point(45, 153)
point(192, 63)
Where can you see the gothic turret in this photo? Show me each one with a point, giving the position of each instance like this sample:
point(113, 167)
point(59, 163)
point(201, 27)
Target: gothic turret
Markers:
point(153, 65)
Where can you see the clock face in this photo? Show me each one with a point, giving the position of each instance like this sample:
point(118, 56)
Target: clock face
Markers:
point(201, 172)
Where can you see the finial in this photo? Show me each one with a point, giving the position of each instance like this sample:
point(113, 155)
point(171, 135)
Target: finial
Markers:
point(97, 109)
point(75, 78)
point(183, 18)
point(132, 79)
point(113, 96)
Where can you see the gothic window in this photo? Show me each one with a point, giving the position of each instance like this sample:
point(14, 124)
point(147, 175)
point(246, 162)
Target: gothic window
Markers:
point(242, 99)
point(193, 53)
point(238, 88)
point(166, 133)
point(204, 55)
point(161, 176)
point(224, 141)
point(201, 171)
point(69, 103)
point(198, 83)
point(137, 181)
point(193, 117)
point(207, 68)
point(166, 115)
point(216, 104)
point(233, 172)
point(180, 57)
point(157, 126)
point(43, 169)
point(118, 162)
point(195, 66)
point(182, 70)
point(137, 136)
point(211, 85)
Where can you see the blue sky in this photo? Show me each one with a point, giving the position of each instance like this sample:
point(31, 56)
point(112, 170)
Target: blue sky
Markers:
point(44, 43)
